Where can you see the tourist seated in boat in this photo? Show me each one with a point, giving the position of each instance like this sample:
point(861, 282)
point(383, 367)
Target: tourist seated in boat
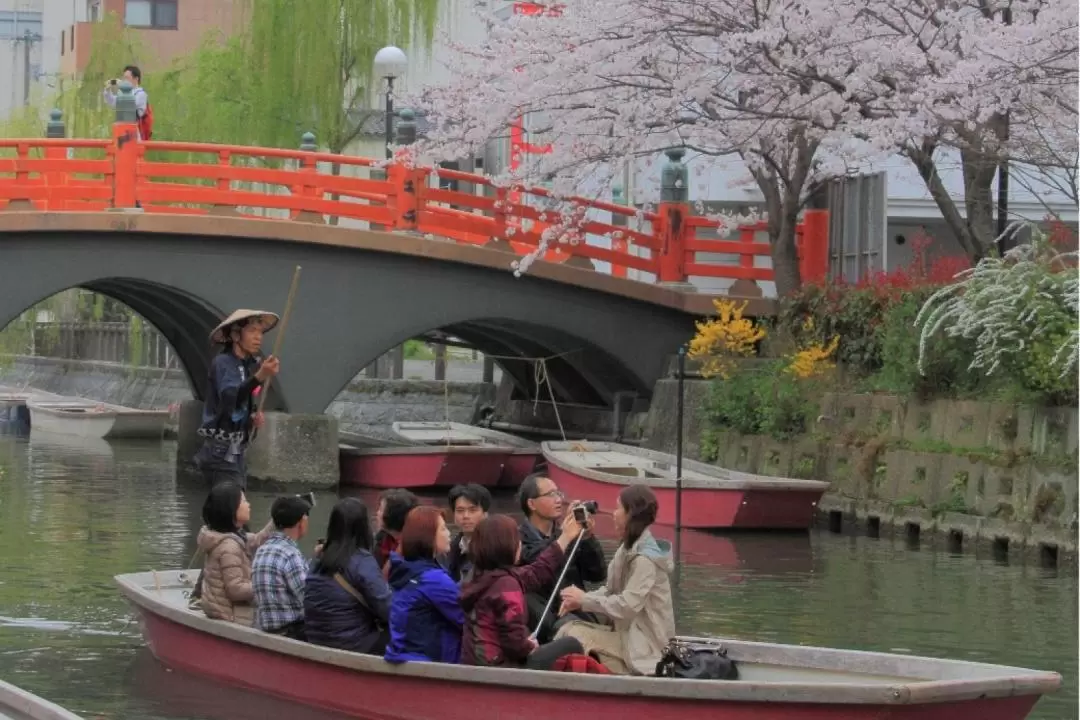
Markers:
point(635, 607)
point(497, 630)
point(425, 613)
point(469, 504)
point(225, 583)
point(279, 570)
point(542, 505)
point(346, 598)
point(394, 507)
point(229, 419)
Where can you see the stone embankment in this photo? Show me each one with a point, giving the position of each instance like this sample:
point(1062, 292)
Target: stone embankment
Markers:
point(972, 475)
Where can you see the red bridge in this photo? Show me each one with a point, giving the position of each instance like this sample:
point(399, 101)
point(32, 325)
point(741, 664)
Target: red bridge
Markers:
point(184, 232)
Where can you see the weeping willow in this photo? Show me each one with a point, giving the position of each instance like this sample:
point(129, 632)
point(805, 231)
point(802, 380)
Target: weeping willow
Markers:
point(293, 67)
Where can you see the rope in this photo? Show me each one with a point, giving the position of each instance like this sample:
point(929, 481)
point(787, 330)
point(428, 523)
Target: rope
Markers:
point(540, 374)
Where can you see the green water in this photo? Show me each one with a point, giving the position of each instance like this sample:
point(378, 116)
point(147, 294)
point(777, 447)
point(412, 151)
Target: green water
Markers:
point(73, 515)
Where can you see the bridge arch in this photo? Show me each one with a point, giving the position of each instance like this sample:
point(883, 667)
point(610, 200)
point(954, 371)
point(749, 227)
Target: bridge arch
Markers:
point(360, 293)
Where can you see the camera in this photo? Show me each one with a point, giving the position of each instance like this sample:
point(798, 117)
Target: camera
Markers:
point(583, 510)
point(308, 497)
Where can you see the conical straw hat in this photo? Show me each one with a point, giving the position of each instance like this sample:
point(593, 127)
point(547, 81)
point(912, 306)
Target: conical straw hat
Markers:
point(268, 320)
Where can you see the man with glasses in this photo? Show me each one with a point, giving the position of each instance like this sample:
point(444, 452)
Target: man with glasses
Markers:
point(543, 507)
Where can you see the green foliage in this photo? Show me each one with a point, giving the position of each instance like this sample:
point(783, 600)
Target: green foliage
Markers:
point(763, 400)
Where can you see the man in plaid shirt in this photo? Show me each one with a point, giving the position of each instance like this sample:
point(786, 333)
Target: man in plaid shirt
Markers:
point(279, 570)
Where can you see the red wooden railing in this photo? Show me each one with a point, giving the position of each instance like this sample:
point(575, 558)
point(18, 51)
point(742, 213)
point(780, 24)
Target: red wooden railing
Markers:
point(302, 186)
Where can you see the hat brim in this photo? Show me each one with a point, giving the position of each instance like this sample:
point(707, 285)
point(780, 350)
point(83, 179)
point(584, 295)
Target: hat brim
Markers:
point(267, 319)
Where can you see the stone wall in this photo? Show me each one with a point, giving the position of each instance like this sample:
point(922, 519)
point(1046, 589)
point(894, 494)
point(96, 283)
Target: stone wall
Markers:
point(368, 407)
point(971, 472)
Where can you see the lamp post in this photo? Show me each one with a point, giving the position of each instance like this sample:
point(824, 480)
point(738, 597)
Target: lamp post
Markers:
point(390, 63)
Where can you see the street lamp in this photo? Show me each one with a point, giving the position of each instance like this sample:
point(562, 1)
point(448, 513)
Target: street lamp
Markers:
point(390, 63)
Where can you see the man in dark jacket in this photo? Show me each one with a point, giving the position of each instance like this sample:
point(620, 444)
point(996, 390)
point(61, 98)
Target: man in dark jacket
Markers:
point(470, 504)
point(543, 507)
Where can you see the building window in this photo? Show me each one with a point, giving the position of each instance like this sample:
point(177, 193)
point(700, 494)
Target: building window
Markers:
point(151, 14)
point(19, 23)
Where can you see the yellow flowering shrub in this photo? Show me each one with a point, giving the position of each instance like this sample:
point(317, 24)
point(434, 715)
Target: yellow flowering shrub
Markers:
point(722, 339)
point(813, 359)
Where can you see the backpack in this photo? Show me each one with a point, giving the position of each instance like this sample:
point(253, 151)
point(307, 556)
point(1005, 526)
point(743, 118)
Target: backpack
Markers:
point(146, 122)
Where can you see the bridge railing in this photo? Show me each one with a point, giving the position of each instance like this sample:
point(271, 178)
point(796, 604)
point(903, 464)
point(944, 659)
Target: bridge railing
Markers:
point(669, 245)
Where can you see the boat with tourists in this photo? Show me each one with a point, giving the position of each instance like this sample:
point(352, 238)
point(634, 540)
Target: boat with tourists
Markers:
point(775, 681)
point(18, 704)
point(712, 497)
point(90, 419)
point(524, 457)
point(389, 463)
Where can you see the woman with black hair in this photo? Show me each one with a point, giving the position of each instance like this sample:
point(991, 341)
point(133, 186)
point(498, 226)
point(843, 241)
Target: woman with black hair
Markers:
point(635, 607)
point(236, 373)
point(226, 578)
point(346, 598)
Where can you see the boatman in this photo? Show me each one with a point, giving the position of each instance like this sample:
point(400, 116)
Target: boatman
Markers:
point(237, 375)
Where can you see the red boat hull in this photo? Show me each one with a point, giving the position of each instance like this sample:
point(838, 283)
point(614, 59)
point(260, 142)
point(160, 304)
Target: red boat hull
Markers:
point(376, 696)
point(419, 470)
point(518, 467)
point(764, 509)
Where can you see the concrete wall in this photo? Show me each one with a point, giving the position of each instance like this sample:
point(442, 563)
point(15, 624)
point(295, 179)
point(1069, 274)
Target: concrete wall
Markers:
point(143, 388)
point(974, 472)
point(369, 407)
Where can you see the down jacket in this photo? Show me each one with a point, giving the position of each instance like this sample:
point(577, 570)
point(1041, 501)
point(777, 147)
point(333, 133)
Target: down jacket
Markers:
point(226, 587)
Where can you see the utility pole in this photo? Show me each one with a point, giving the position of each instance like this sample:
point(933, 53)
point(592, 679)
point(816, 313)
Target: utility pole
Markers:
point(1003, 171)
point(28, 39)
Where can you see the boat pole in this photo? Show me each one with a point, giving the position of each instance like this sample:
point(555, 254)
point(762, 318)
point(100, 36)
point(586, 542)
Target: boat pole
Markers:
point(679, 412)
point(280, 333)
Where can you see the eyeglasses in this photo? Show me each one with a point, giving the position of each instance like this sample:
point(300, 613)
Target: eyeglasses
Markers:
point(551, 494)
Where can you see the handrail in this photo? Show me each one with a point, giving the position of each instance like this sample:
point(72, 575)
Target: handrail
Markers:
point(669, 245)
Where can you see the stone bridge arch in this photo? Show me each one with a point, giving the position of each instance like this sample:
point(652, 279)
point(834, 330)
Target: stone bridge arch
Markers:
point(360, 294)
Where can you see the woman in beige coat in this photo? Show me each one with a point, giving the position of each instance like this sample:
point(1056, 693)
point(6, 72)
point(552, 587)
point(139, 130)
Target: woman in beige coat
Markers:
point(635, 606)
point(226, 578)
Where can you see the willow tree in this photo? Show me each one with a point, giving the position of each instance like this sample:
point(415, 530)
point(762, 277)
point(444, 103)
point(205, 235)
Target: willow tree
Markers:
point(295, 67)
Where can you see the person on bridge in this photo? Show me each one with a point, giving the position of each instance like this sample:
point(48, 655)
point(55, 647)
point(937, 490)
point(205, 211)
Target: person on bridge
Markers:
point(236, 375)
point(144, 117)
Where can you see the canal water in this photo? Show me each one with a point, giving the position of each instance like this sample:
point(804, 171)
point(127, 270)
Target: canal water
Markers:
point(74, 514)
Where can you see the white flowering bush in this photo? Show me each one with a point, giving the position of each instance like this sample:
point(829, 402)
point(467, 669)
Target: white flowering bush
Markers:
point(1021, 314)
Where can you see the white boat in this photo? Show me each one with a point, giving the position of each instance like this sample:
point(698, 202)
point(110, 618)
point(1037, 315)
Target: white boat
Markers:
point(18, 704)
point(86, 418)
point(524, 457)
point(712, 497)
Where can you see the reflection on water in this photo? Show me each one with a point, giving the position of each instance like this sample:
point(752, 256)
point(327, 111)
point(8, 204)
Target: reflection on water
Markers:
point(73, 514)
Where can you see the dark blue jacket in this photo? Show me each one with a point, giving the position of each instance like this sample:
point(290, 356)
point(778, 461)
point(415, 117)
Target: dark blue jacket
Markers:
point(334, 618)
point(425, 615)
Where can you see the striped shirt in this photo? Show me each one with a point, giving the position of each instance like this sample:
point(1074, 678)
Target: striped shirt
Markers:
point(277, 581)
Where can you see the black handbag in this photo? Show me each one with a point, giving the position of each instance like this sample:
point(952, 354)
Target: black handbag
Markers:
point(696, 661)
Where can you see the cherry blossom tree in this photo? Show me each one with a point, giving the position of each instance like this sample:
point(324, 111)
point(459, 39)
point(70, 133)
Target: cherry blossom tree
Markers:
point(797, 90)
point(614, 81)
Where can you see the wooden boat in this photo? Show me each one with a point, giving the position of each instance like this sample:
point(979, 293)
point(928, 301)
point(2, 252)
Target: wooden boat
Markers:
point(86, 418)
point(376, 463)
point(524, 457)
point(712, 497)
point(777, 682)
point(18, 704)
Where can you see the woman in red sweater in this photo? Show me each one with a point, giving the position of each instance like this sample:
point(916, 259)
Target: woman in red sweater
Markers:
point(496, 632)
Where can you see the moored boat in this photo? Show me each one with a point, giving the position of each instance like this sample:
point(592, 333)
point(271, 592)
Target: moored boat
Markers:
point(712, 497)
point(377, 463)
point(86, 418)
point(18, 704)
point(524, 456)
point(776, 681)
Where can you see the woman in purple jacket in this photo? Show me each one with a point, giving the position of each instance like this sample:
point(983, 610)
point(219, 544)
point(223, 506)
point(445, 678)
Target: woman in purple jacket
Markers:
point(346, 599)
point(425, 615)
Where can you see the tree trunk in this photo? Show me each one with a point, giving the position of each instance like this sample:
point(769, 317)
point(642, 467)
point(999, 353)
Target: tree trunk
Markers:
point(785, 256)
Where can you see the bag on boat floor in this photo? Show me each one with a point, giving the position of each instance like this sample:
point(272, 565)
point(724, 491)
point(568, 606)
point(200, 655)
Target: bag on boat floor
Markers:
point(577, 663)
point(696, 661)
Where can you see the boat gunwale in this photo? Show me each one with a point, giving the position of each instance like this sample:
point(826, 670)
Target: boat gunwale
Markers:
point(392, 450)
point(989, 681)
point(26, 704)
point(737, 479)
point(520, 446)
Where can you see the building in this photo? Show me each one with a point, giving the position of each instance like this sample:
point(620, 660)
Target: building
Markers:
point(167, 28)
point(24, 52)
